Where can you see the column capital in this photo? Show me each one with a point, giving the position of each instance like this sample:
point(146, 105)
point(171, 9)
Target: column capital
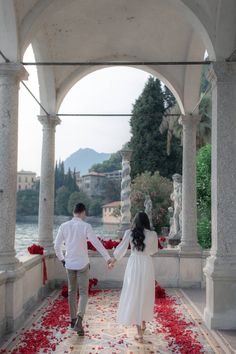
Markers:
point(221, 71)
point(14, 70)
point(189, 120)
point(49, 121)
point(126, 154)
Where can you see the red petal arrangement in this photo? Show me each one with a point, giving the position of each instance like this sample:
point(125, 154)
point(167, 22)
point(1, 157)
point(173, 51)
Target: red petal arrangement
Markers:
point(45, 336)
point(162, 238)
point(108, 244)
point(91, 246)
point(159, 244)
point(49, 331)
point(37, 249)
point(64, 291)
point(180, 338)
point(160, 292)
point(162, 242)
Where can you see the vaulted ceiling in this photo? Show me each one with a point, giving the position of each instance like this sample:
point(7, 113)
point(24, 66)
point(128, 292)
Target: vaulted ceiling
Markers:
point(136, 30)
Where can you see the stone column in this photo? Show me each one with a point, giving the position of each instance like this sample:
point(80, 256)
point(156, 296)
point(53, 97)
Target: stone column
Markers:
point(46, 194)
point(125, 191)
point(10, 75)
point(220, 270)
point(189, 205)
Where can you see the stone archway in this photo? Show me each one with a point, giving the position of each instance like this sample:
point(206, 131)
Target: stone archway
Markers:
point(158, 30)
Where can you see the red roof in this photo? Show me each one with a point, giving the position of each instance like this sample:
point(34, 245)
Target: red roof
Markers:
point(112, 205)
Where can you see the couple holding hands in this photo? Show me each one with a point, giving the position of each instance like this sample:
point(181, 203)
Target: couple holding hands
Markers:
point(137, 297)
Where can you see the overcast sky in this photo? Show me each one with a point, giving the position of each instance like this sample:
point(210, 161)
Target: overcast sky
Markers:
point(110, 90)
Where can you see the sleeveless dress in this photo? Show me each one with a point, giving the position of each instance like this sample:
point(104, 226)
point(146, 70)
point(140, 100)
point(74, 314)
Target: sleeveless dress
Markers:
point(138, 292)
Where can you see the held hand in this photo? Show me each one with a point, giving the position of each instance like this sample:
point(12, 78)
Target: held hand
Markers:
point(111, 262)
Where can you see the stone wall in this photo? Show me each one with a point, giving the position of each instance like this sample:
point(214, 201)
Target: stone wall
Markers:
point(172, 269)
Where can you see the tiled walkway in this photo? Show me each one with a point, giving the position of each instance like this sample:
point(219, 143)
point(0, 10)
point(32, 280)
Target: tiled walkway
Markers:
point(103, 334)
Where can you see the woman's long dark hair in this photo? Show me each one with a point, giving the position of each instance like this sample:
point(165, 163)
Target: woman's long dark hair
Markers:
point(140, 223)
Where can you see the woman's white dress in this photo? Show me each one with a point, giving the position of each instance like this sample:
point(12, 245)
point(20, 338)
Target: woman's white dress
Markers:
point(138, 292)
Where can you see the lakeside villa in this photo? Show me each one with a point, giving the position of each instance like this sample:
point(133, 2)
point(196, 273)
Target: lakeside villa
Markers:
point(25, 180)
point(111, 213)
point(170, 40)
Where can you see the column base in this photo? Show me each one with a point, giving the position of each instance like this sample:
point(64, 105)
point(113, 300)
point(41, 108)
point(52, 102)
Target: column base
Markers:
point(48, 247)
point(189, 247)
point(8, 261)
point(220, 310)
point(190, 270)
point(220, 321)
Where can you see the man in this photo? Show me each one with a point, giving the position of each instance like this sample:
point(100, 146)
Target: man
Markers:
point(74, 234)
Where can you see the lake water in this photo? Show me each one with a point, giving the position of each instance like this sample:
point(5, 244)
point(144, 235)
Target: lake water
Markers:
point(27, 234)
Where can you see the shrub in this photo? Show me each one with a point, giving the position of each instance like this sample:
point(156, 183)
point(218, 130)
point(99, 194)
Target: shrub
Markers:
point(159, 188)
point(204, 196)
point(204, 232)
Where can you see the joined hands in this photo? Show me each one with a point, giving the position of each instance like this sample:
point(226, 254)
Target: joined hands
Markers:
point(111, 262)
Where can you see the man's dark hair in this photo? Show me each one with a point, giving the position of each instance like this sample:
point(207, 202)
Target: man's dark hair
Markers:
point(79, 208)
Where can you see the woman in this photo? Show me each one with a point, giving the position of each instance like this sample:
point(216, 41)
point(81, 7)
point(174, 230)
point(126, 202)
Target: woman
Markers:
point(138, 293)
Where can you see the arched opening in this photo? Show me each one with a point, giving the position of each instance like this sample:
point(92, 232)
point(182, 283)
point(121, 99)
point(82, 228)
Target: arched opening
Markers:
point(113, 90)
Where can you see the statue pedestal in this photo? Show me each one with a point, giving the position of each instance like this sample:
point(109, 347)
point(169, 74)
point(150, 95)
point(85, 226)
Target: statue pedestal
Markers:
point(174, 241)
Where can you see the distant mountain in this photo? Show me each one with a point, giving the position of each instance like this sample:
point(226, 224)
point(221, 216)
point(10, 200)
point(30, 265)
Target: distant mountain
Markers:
point(83, 159)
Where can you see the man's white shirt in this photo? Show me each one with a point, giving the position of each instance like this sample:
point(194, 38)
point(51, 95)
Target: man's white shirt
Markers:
point(74, 234)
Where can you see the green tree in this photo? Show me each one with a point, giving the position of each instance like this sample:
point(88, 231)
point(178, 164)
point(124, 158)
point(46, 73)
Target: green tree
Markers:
point(61, 201)
point(75, 187)
point(70, 182)
point(95, 207)
point(65, 184)
point(147, 143)
point(77, 197)
point(114, 163)
point(204, 127)
point(27, 202)
point(56, 177)
point(170, 120)
point(204, 196)
point(159, 188)
point(112, 190)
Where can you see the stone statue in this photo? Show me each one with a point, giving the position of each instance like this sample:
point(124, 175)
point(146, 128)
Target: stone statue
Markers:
point(170, 214)
point(125, 192)
point(176, 197)
point(148, 208)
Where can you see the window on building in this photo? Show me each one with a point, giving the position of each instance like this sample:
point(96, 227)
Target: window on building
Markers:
point(19, 179)
point(19, 187)
point(26, 187)
point(26, 179)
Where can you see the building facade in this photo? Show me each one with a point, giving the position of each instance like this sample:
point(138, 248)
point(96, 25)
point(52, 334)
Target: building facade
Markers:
point(92, 184)
point(25, 180)
point(114, 175)
point(110, 213)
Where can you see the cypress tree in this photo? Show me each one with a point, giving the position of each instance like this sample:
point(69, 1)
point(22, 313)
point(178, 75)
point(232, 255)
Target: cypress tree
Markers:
point(147, 143)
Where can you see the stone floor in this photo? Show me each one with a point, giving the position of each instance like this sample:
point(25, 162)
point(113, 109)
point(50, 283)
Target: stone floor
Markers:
point(103, 334)
point(196, 298)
